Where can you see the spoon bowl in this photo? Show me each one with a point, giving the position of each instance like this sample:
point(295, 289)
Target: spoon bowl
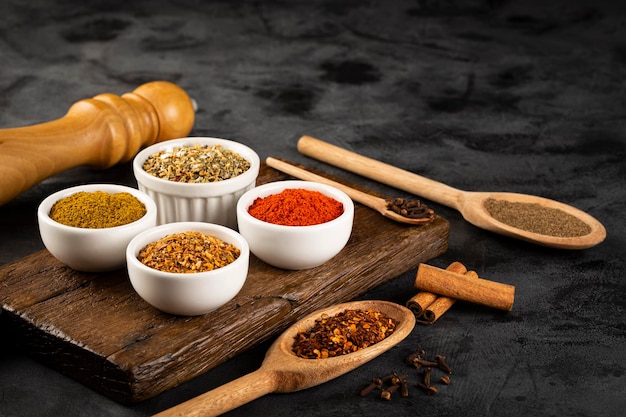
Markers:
point(470, 204)
point(473, 209)
point(283, 371)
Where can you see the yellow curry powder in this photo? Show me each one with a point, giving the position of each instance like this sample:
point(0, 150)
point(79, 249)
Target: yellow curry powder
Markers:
point(97, 209)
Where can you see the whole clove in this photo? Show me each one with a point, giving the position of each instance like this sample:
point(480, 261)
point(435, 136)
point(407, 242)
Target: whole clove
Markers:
point(393, 382)
point(376, 383)
point(389, 377)
point(386, 393)
point(389, 384)
point(428, 366)
point(426, 376)
point(415, 355)
point(429, 389)
point(412, 209)
point(441, 361)
point(404, 386)
point(419, 363)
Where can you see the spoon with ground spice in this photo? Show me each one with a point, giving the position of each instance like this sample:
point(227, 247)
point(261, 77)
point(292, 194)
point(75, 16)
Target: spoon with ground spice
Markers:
point(284, 370)
point(400, 210)
point(526, 217)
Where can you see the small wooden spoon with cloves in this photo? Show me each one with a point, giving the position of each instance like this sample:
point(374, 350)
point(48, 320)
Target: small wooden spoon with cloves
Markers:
point(400, 210)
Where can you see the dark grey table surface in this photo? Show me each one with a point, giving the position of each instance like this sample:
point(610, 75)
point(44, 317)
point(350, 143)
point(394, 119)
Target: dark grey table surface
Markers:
point(522, 96)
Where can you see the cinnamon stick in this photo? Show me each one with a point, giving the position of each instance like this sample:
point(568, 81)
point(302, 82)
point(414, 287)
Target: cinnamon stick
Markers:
point(462, 287)
point(420, 302)
point(441, 304)
point(423, 299)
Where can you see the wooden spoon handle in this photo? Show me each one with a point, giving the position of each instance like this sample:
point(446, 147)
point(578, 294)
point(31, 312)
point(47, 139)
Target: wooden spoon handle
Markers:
point(381, 172)
point(101, 132)
point(297, 172)
point(227, 397)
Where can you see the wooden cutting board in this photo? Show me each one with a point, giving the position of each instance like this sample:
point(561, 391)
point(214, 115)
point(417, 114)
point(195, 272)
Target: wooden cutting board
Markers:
point(96, 329)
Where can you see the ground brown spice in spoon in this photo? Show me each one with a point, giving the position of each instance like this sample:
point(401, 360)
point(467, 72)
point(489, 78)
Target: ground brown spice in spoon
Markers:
point(536, 218)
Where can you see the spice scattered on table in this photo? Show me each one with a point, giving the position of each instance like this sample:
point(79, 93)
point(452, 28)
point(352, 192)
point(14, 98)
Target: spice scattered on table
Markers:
point(394, 381)
point(388, 384)
point(296, 207)
point(535, 218)
point(417, 359)
point(97, 209)
point(196, 164)
point(344, 333)
point(412, 209)
point(188, 252)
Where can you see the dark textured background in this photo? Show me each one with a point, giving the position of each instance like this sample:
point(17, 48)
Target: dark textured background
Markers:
point(524, 96)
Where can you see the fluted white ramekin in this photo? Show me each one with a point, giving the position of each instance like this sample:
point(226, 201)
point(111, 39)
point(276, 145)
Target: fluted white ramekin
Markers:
point(214, 202)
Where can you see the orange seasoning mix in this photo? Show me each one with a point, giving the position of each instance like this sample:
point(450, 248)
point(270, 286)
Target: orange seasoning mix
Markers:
point(344, 333)
point(296, 207)
point(188, 252)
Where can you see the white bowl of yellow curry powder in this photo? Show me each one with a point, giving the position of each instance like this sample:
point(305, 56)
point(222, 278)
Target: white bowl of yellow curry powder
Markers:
point(88, 227)
point(197, 178)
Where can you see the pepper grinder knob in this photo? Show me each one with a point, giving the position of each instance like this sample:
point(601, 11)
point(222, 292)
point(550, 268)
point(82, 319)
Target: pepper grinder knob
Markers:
point(100, 132)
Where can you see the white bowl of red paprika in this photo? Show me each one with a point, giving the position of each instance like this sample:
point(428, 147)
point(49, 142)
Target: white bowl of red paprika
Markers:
point(188, 268)
point(295, 224)
point(88, 227)
point(196, 178)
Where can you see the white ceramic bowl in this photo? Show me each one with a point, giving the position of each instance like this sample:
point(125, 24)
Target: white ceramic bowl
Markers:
point(188, 294)
point(92, 250)
point(214, 202)
point(295, 247)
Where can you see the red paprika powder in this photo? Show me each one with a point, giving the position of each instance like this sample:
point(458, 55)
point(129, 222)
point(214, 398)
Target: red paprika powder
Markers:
point(296, 207)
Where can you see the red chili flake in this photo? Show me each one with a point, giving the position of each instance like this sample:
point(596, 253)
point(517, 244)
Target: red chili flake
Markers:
point(344, 333)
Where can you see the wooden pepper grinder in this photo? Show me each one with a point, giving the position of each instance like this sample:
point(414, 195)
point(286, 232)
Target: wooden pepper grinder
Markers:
point(99, 132)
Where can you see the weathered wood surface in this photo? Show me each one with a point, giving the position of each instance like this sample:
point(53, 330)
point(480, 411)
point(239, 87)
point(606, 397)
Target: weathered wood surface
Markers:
point(96, 329)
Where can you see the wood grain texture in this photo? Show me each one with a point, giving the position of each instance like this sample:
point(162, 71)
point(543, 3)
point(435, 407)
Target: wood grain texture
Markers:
point(96, 329)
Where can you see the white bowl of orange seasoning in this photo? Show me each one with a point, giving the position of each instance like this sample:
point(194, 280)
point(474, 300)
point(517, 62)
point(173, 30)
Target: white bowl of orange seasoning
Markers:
point(295, 224)
point(88, 227)
point(188, 268)
point(196, 179)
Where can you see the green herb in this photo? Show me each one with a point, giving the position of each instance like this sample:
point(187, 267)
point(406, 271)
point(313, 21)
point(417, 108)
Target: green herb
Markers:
point(196, 164)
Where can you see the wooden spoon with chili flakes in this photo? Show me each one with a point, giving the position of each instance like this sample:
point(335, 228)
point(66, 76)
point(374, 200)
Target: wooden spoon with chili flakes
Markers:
point(400, 210)
point(283, 371)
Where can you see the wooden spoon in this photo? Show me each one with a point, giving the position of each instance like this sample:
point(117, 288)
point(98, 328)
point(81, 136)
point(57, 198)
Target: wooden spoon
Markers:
point(373, 202)
point(471, 205)
point(283, 371)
